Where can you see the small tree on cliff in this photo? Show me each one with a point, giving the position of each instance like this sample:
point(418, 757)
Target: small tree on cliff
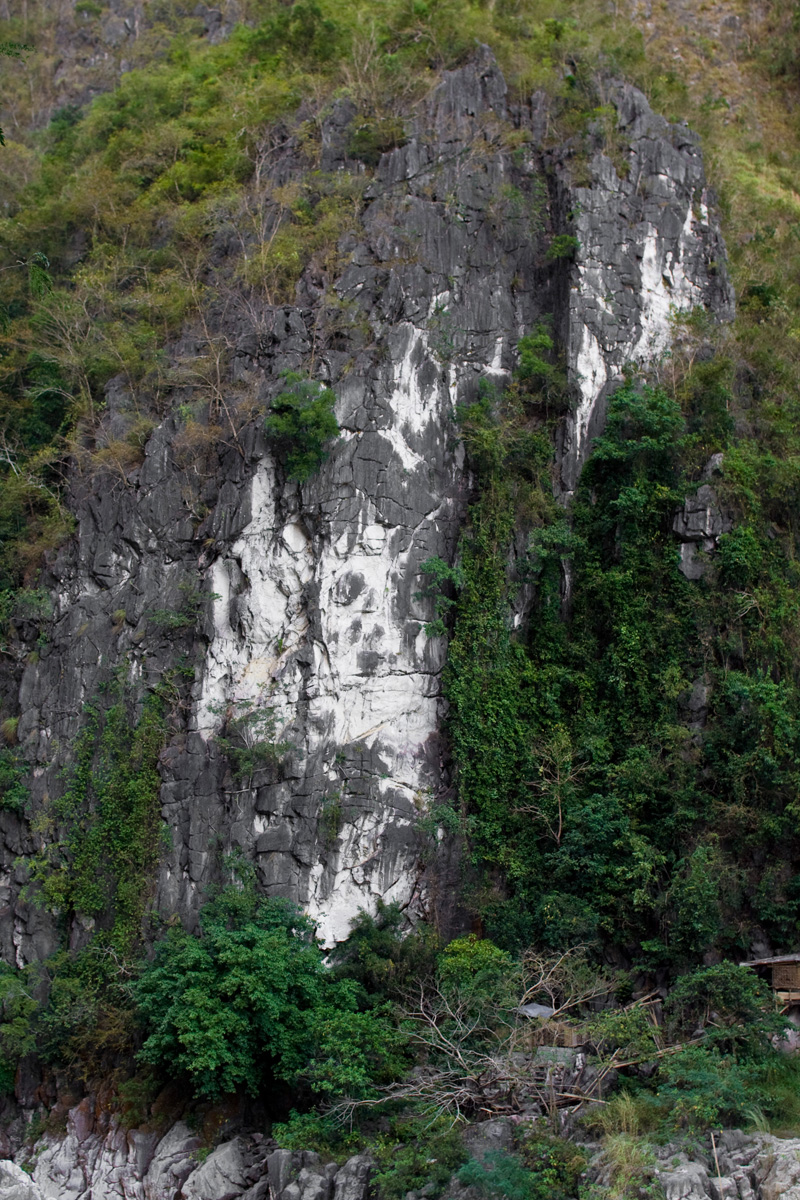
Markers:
point(300, 425)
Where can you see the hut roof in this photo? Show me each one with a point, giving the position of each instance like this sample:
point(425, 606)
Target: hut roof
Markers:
point(769, 962)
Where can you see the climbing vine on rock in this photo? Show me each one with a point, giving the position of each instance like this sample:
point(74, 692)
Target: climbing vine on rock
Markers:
point(100, 838)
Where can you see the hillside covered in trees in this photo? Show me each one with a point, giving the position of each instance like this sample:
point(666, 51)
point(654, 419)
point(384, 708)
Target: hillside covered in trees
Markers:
point(399, 605)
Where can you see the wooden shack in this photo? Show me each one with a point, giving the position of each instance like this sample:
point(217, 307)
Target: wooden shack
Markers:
point(785, 974)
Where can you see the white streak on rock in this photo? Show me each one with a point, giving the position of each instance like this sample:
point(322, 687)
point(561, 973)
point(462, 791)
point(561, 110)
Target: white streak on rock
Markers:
point(368, 680)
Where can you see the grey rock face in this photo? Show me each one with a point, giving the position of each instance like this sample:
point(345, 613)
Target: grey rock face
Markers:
point(15, 1184)
point(352, 1181)
point(98, 1158)
point(649, 248)
point(757, 1167)
point(309, 1186)
point(310, 595)
point(699, 525)
point(222, 1175)
point(173, 1162)
point(99, 1161)
point(280, 1170)
point(488, 1137)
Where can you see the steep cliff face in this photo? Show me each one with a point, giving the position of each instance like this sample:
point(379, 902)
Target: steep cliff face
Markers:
point(307, 596)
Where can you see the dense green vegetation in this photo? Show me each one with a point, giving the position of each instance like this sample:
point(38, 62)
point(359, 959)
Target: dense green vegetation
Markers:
point(115, 211)
point(597, 806)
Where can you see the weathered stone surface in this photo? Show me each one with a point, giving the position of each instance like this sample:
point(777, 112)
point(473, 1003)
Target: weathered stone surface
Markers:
point(220, 1177)
point(489, 1137)
point(688, 1181)
point(700, 524)
point(173, 1162)
point(16, 1184)
point(280, 1169)
point(309, 1185)
point(259, 1191)
point(746, 1167)
point(352, 1180)
point(777, 1169)
point(97, 1160)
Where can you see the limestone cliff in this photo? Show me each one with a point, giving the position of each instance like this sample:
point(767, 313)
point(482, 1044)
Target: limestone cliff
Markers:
point(307, 597)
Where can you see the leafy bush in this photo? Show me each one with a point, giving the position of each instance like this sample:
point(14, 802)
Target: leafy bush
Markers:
point(370, 139)
point(475, 964)
point(417, 1153)
point(563, 245)
point(100, 838)
point(555, 1162)
point(702, 1088)
point(13, 773)
point(72, 1010)
point(382, 957)
point(543, 1175)
point(301, 424)
point(735, 1004)
point(442, 579)
point(184, 618)
point(321, 1132)
point(248, 999)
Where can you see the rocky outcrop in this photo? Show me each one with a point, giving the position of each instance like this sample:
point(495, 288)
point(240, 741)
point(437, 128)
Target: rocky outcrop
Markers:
point(701, 523)
point(732, 1166)
point(307, 597)
point(737, 1167)
point(15, 1184)
point(99, 1159)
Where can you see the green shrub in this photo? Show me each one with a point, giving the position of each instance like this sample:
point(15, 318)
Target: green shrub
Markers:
point(317, 1131)
point(383, 957)
point(417, 1153)
point(703, 1088)
point(100, 837)
point(443, 579)
point(72, 1010)
point(301, 424)
point(248, 1000)
point(563, 245)
point(183, 619)
point(474, 964)
point(249, 739)
point(13, 774)
point(742, 1005)
point(541, 371)
point(368, 140)
point(504, 1176)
